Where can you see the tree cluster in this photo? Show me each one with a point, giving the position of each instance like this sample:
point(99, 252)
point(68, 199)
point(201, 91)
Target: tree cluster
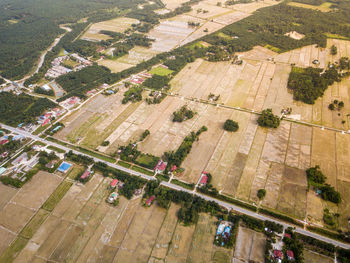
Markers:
point(268, 119)
point(231, 125)
point(183, 114)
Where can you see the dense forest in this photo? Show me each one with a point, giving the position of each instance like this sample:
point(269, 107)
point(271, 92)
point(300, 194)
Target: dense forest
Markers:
point(269, 26)
point(29, 27)
point(22, 108)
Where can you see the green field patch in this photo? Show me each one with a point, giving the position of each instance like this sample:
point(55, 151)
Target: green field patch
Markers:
point(146, 160)
point(324, 7)
point(161, 71)
point(57, 195)
point(223, 35)
point(142, 170)
point(82, 130)
point(221, 257)
point(12, 251)
point(53, 148)
point(336, 36)
point(124, 164)
point(274, 49)
point(183, 184)
point(34, 224)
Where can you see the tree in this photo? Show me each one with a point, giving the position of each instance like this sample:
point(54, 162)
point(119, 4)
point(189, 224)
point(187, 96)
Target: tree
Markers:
point(331, 106)
point(231, 125)
point(261, 193)
point(334, 50)
point(268, 119)
point(314, 174)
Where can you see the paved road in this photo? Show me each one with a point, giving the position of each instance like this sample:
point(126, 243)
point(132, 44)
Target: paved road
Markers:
point(176, 187)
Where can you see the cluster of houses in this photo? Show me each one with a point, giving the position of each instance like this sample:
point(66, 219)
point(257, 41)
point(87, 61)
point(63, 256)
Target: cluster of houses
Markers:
point(277, 253)
point(57, 69)
point(70, 102)
point(114, 186)
point(223, 231)
point(49, 115)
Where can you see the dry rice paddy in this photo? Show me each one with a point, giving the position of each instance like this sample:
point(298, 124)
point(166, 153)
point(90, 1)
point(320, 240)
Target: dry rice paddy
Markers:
point(119, 24)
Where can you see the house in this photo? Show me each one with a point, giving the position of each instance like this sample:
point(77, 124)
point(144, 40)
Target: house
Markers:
point(85, 175)
point(4, 154)
point(2, 170)
point(173, 168)
point(287, 235)
point(204, 179)
point(150, 200)
point(277, 254)
point(4, 141)
point(160, 167)
point(50, 165)
point(112, 197)
point(138, 192)
point(290, 255)
point(114, 183)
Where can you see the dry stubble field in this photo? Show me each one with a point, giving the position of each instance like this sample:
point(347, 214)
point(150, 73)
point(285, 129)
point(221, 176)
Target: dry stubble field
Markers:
point(82, 227)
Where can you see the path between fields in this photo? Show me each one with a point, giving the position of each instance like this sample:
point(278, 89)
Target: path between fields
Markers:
point(179, 188)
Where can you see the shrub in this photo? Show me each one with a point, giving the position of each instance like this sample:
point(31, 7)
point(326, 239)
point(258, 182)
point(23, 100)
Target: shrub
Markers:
point(261, 193)
point(268, 119)
point(315, 175)
point(231, 125)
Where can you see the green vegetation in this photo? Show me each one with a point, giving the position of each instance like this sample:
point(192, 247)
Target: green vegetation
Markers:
point(6, 180)
point(144, 135)
point(142, 170)
point(77, 83)
point(16, 109)
point(34, 224)
point(124, 164)
point(336, 105)
point(330, 234)
point(105, 143)
point(268, 119)
point(231, 125)
point(293, 244)
point(134, 94)
point(161, 71)
point(157, 82)
point(183, 114)
point(57, 195)
point(261, 194)
point(79, 158)
point(55, 128)
point(131, 182)
point(310, 83)
point(183, 184)
point(316, 245)
point(176, 158)
point(334, 50)
point(317, 179)
point(40, 90)
point(130, 153)
point(37, 25)
point(12, 251)
point(280, 216)
point(329, 218)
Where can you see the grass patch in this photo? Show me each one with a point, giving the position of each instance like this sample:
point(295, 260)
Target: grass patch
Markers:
point(274, 49)
point(324, 7)
point(336, 36)
point(70, 63)
point(73, 173)
point(39, 143)
point(147, 161)
point(124, 164)
point(183, 184)
point(223, 35)
point(162, 177)
point(221, 257)
point(56, 196)
point(161, 71)
point(53, 148)
point(142, 170)
point(34, 224)
point(40, 129)
point(12, 251)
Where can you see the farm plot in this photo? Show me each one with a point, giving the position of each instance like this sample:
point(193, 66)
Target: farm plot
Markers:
point(172, 4)
point(208, 10)
point(119, 24)
point(250, 246)
point(252, 7)
point(312, 257)
point(203, 238)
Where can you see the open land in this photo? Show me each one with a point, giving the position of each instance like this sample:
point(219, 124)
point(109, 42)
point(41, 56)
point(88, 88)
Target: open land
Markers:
point(82, 227)
point(119, 25)
point(251, 158)
point(325, 7)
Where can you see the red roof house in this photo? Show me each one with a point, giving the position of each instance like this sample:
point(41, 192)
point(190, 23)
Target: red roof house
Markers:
point(85, 175)
point(2, 142)
point(45, 122)
point(160, 167)
point(173, 168)
point(114, 183)
point(278, 254)
point(290, 255)
point(287, 235)
point(150, 200)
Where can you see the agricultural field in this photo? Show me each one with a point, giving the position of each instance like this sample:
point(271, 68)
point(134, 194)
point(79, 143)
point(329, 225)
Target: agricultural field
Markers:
point(73, 223)
point(250, 246)
point(172, 4)
point(19, 206)
point(135, 56)
point(119, 24)
point(325, 7)
point(312, 257)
